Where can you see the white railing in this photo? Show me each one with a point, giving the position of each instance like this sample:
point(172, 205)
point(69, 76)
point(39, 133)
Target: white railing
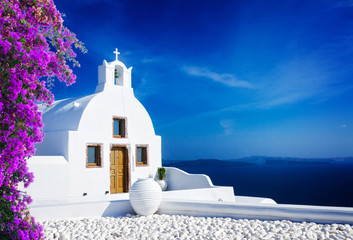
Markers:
point(180, 180)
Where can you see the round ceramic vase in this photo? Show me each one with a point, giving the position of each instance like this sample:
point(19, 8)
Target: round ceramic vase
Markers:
point(145, 196)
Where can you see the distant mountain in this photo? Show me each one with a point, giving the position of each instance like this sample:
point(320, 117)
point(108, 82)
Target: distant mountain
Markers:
point(285, 160)
point(296, 162)
point(254, 160)
point(206, 163)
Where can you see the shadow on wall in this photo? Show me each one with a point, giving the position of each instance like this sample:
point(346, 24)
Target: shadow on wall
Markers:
point(118, 208)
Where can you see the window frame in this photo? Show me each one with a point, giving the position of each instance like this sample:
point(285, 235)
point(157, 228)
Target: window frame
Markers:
point(121, 129)
point(141, 164)
point(98, 156)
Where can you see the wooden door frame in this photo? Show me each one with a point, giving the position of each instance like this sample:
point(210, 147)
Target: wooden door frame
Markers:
point(127, 162)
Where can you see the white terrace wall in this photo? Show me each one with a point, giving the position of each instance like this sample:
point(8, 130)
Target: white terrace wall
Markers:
point(185, 186)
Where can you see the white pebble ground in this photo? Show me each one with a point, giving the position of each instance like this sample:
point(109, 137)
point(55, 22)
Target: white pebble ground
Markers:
point(186, 227)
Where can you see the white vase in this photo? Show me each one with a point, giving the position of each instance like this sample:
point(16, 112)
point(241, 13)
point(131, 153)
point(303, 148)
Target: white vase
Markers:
point(163, 184)
point(145, 196)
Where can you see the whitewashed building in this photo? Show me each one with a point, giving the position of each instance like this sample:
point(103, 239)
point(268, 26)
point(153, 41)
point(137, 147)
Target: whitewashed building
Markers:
point(97, 144)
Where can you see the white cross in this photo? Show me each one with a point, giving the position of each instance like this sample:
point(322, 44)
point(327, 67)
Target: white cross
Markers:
point(116, 53)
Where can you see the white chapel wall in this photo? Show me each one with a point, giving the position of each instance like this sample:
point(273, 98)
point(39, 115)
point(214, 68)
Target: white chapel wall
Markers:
point(96, 128)
point(89, 120)
point(51, 178)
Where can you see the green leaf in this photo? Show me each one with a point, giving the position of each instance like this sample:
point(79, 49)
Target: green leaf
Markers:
point(22, 40)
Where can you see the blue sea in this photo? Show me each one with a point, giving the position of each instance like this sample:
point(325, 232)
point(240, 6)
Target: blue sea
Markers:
point(325, 183)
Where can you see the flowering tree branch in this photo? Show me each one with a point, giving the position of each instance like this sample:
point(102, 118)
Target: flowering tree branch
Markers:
point(29, 29)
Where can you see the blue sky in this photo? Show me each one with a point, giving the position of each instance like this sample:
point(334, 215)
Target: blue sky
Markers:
point(228, 79)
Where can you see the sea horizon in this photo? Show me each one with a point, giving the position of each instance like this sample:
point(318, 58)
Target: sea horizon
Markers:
point(307, 181)
point(262, 157)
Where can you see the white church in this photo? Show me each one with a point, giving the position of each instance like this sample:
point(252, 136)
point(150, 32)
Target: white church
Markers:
point(97, 144)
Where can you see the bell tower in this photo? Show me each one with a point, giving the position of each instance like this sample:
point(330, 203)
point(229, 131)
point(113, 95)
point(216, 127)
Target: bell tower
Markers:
point(113, 74)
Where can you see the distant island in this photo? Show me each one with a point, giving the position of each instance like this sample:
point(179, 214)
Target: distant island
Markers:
point(254, 160)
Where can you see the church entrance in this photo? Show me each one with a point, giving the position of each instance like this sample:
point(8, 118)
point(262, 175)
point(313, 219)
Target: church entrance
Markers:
point(119, 170)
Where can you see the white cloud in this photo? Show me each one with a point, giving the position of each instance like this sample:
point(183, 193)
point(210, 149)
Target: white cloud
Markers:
point(227, 125)
point(224, 78)
point(291, 98)
point(145, 88)
point(297, 80)
point(152, 60)
point(291, 82)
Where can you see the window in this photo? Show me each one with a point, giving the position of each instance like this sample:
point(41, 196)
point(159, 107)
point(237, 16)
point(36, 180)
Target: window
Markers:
point(116, 76)
point(118, 128)
point(141, 155)
point(94, 156)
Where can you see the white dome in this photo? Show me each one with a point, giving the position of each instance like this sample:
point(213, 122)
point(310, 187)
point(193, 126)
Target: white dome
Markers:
point(65, 115)
point(69, 114)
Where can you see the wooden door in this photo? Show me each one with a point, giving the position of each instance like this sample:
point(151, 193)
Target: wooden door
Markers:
point(118, 170)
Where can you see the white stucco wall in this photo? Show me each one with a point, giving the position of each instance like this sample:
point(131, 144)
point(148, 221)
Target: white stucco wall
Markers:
point(214, 194)
point(113, 207)
point(318, 214)
point(51, 179)
point(186, 186)
point(179, 180)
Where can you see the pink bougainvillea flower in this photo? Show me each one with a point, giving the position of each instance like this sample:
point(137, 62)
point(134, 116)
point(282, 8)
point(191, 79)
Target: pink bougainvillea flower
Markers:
point(27, 27)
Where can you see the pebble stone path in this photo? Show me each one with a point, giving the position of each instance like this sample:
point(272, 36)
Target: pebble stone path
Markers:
point(186, 227)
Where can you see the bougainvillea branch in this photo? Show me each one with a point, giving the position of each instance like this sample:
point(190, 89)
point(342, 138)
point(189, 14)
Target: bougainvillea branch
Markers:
point(34, 45)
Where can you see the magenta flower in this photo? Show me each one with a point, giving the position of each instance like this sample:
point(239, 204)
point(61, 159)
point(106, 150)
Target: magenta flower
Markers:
point(26, 29)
